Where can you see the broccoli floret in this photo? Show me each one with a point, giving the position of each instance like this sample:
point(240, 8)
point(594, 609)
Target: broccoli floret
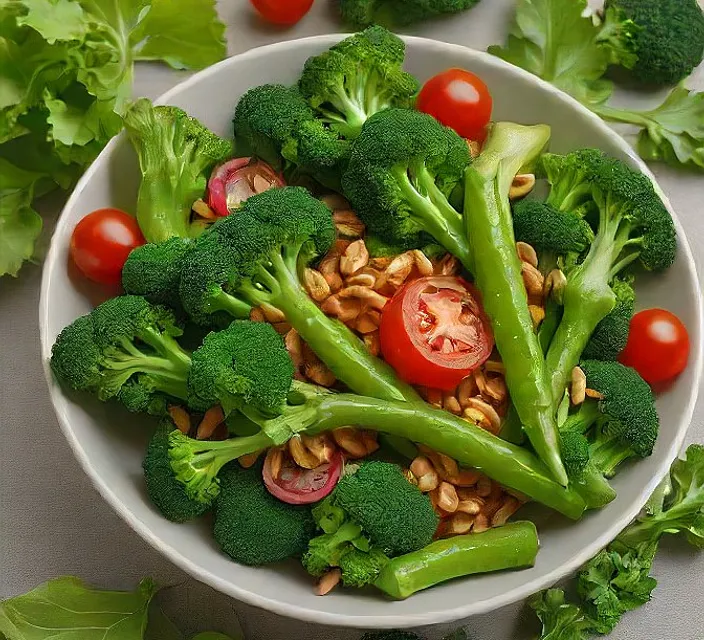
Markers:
point(611, 334)
point(274, 122)
point(373, 514)
point(356, 78)
point(632, 224)
point(167, 494)
point(362, 13)
point(402, 169)
point(255, 258)
point(574, 447)
point(154, 271)
point(176, 155)
point(668, 40)
point(252, 526)
point(123, 340)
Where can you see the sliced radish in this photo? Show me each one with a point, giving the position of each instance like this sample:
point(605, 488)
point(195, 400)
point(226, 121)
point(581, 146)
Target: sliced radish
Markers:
point(295, 485)
point(232, 182)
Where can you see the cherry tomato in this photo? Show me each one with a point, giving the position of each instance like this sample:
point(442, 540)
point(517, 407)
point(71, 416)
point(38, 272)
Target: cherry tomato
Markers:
point(657, 347)
point(283, 12)
point(295, 485)
point(101, 243)
point(232, 182)
point(460, 100)
point(434, 332)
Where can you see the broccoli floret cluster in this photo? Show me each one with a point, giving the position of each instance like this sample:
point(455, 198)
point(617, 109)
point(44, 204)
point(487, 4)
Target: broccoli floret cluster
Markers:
point(611, 334)
point(360, 13)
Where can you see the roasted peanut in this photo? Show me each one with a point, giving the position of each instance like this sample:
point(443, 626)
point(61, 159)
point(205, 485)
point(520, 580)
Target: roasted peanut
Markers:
point(505, 512)
point(347, 223)
point(527, 254)
point(320, 446)
point(448, 266)
point(465, 478)
point(344, 310)
point(592, 393)
point(371, 298)
point(257, 315)
point(354, 258)
point(320, 374)
point(459, 524)
point(249, 460)
point(578, 388)
point(362, 280)
point(274, 461)
point(316, 285)
point(202, 209)
point(350, 441)
point(301, 455)
point(446, 497)
point(211, 419)
point(488, 411)
point(451, 403)
point(484, 486)
point(422, 263)
point(473, 506)
point(532, 279)
point(294, 346)
point(368, 322)
point(372, 342)
point(328, 582)
point(467, 389)
point(521, 186)
point(181, 418)
point(537, 314)
point(481, 523)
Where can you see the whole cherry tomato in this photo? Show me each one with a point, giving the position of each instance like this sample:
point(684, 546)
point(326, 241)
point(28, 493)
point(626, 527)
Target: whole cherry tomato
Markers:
point(434, 332)
point(101, 243)
point(657, 347)
point(459, 100)
point(283, 12)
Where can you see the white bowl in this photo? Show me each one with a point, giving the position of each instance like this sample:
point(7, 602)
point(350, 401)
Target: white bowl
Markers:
point(109, 444)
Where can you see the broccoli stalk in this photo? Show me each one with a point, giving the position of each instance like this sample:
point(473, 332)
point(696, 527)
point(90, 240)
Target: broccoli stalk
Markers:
point(256, 374)
point(513, 546)
point(403, 167)
point(356, 78)
point(125, 349)
point(255, 258)
point(176, 155)
point(632, 225)
point(498, 276)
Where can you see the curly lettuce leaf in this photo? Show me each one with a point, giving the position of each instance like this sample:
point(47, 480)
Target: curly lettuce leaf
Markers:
point(67, 609)
point(554, 41)
point(561, 620)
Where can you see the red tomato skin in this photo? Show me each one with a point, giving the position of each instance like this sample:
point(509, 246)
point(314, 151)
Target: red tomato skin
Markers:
point(401, 353)
point(101, 242)
point(332, 471)
point(282, 12)
point(658, 346)
point(459, 100)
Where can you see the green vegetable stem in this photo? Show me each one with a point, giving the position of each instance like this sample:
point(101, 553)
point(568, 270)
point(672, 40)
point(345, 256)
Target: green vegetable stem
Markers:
point(497, 272)
point(513, 546)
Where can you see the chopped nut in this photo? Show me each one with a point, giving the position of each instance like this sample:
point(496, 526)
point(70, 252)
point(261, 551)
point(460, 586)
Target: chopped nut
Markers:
point(373, 343)
point(348, 224)
point(368, 322)
point(320, 374)
point(477, 417)
point(505, 512)
point(330, 264)
point(467, 389)
point(489, 412)
point(494, 366)
point(211, 419)
point(398, 271)
point(320, 446)
point(428, 482)
point(592, 393)
point(362, 280)
point(181, 418)
point(408, 474)
point(282, 328)
point(380, 263)
point(451, 403)
point(316, 285)
point(443, 464)
point(448, 266)
point(459, 524)
point(301, 455)
point(202, 209)
point(481, 523)
point(554, 285)
point(370, 297)
point(473, 506)
point(334, 281)
point(421, 466)
point(249, 460)
point(354, 258)
point(446, 497)
point(343, 310)
point(350, 441)
point(578, 388)
point(422, 263)
point(537, 314)
point(475, 148)
point(369, 438)
point(484, 486)
point(272, 314)
point(294, 346)
point(495, 389)
point(274, 461)
point(257, 315)
point(465, 478)
point(521, 186)
point(527, 254)
point(328, 582)
point(532, 278)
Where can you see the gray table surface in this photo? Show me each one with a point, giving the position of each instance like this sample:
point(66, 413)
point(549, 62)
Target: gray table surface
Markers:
point(52, 521)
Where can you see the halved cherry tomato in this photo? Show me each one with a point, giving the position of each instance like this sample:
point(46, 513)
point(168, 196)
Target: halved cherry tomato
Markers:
point(101, 243)
point(657, 347)
point(459, 100)
point(295, 485)
point(434, 332)
point(232, 182)
point(283, 12)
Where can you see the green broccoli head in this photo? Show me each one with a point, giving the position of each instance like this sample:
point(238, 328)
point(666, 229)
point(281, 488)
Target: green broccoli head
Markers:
point(360, 568)
point(154, 271)
point(546, 229)
point(362, 13)
point(176, 155)
point(245, 364)
point(252, 526)
point(356, 78)
point(393, 513)
point(326, 550)
point(403, 167)
point(629, 424)
point(75, 358)
point(611, 334)
point(668, 39)
point(574, 448)
point(274, 122)
point(167, 494)
point(140, 394)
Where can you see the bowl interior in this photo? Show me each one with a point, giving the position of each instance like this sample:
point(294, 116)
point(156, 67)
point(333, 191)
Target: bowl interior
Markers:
point(110, 444)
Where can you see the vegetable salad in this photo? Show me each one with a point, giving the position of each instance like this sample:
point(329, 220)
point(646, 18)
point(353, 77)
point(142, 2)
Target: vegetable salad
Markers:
point(364, 341)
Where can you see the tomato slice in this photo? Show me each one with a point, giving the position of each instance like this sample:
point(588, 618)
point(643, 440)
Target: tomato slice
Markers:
point(658, 346)
point(434, 332)
point(232, 182)
point(295, 485)
point(282, 12)
point(459, 100)
point(101, 243)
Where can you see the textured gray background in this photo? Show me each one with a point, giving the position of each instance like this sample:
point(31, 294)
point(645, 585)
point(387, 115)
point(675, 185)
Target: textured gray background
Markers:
point(52, 521)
